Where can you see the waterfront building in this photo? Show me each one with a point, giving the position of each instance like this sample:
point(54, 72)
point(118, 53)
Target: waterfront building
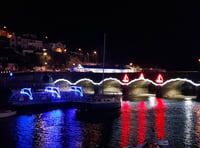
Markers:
point(57, 47)
point(6, 33)
point(26, 41)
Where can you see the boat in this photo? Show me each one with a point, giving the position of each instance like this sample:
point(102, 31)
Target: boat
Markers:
point(99, 102)
point(50, 96)
point(106, 102)
point(7, 113)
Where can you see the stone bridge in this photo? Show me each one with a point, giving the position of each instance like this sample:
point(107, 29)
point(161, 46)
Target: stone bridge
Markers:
point(131, 85)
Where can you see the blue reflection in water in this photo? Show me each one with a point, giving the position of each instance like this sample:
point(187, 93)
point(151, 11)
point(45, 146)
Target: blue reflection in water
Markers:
point(177, 121)
point(56, 128)
point(72, 129)
point(24, 125)
point(48, 129)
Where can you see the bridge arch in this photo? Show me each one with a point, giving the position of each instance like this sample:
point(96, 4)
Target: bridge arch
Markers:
point(63, 84)
point(87, 85)
point(172, 88)
point(179, 88)
point(111, 86)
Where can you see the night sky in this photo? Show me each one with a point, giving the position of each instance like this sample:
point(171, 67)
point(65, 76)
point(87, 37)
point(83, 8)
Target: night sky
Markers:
point(164, 34)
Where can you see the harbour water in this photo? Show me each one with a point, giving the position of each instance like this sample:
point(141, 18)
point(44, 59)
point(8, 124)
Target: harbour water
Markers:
point(178, 121)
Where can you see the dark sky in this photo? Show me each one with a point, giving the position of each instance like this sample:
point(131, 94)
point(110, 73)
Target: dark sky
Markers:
point(163, 34)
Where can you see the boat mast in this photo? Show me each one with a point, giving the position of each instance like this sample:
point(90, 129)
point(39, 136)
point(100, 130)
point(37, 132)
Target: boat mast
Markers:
point(104, 47)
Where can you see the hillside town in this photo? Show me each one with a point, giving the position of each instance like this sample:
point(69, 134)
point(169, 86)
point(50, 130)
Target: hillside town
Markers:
point(30, 52)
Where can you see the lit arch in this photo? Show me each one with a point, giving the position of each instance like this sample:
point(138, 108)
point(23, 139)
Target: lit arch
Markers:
point(132, 81)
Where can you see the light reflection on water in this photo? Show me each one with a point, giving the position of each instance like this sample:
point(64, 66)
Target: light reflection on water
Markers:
point(159, 112)
point(197, 109)
point(24, 130)
point(55, 128)
point(177, 121)
point(188, 122)
point(141, 133)
point(125, 123)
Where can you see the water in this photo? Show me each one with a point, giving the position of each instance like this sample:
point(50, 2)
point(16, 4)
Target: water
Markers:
point(177, 121)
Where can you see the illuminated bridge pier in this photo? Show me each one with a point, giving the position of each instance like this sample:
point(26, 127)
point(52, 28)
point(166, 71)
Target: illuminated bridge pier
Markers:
point(130, 85)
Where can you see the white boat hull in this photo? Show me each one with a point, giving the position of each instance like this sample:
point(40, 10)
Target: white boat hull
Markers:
point(7, 113)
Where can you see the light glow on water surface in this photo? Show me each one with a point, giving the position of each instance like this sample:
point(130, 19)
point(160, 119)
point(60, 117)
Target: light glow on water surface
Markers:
point(125, 125)
point(141, 122)
point(176, 121)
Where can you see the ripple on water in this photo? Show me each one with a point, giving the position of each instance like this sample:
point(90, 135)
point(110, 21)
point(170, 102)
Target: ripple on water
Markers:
point(177, 121)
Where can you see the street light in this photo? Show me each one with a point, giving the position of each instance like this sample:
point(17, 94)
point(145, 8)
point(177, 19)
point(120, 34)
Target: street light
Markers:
point(44, 50)
point(80, 49)
point(45, 58)
point(45, 53)
point(95, 54)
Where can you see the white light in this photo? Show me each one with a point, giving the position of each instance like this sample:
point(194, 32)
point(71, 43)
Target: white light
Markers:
point(152, 101)
point(132, 81)
point(188, 122)
point(188, 98)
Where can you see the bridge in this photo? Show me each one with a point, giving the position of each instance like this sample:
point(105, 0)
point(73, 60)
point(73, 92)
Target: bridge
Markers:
point(167, 84)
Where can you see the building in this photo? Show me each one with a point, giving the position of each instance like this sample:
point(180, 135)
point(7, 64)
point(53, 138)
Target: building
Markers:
point(58, 47)
point(5, 33)
point(4, 37)
point(26, 41)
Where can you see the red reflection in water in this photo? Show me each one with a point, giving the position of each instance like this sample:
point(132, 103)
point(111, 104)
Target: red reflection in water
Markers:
point(197, 125)
point(141, 122)
point(126, 120)
point(160, 118)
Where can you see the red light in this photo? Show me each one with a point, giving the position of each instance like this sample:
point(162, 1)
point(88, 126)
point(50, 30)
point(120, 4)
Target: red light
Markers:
point(160, 118)
point(142, 109)
point(126, 123)
point(159, 79)
point(141, 76)
point(125, 79)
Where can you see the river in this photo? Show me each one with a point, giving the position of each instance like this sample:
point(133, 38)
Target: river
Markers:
point(178, 121)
